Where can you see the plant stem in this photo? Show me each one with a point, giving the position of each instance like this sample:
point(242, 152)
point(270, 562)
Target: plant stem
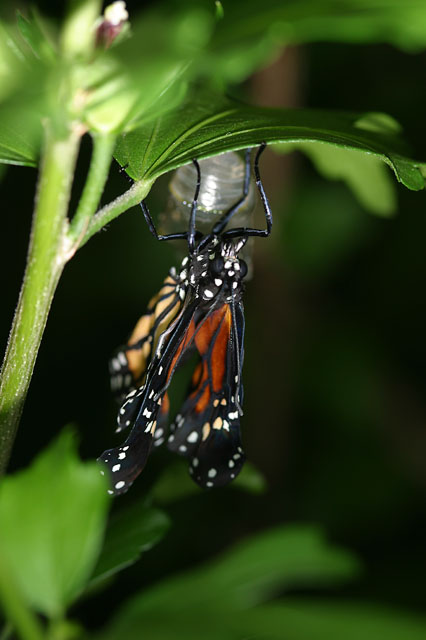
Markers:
point(137, 192)
point(46, 260)
point(103, 146)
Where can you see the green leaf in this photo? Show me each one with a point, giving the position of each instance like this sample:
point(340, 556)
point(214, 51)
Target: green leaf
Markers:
point(32, 31)
point(250, 33)
point(207, 125)
point(363, 173)
point(288, 556)
point(219, 592)
point(304, 619)
point(20, 135)
point(20, 122)
point(300, 21)
point(52, 518)
point(130, 533)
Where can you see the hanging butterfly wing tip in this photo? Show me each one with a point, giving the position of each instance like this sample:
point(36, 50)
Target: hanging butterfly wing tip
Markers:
point(214, 477)
point(112, 459)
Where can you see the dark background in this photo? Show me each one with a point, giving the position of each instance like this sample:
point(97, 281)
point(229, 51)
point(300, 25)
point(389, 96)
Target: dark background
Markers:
point(335, 408)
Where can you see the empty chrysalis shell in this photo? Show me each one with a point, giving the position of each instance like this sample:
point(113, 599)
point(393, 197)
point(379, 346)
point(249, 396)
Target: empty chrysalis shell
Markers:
point(222, 182)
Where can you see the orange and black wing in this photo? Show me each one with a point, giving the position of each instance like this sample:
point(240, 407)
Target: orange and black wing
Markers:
point(129, 364)
point(145, 409)
point(207, 429)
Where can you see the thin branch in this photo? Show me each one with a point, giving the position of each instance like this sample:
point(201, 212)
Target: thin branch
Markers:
point(137, 192)
point(103, 146)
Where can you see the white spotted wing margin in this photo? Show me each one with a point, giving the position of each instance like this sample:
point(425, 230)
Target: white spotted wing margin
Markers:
point(129, 363)
point(207, 429)
point(143, 407)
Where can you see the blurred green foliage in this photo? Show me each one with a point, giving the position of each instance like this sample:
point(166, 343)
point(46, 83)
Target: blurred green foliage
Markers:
point(363, 173)
point(175, 483)
point(51, 526)
point(217, 600)
point(130, 533)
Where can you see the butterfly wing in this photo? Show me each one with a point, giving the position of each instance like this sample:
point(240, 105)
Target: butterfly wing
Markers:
point(129, 363)
point(146, 408)
point(207, 429)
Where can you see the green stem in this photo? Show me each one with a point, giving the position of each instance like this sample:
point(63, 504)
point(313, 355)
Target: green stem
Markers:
point(103, 146)
point(137, 192)
point(46, 260)
point(19, 615)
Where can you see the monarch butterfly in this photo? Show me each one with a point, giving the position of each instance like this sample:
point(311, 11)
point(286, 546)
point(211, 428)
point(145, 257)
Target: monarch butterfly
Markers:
point(199, 308)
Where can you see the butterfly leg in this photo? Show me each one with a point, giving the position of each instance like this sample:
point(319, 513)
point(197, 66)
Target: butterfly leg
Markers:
point(151, 226)
point(225, 218)
point(242, 231)
point(191, 235)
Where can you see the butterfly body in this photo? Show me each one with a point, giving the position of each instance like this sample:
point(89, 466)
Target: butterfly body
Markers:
point(198, 309)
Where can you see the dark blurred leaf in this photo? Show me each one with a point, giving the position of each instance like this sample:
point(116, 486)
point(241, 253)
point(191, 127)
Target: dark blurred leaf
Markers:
point(130, 533)
point(365, 174)
point(218, 593)
point(293, 619)
point(324, 226)
point(207, 125)
point(341, 383)
point(300, 21)
point(247, 35)
point(250, 479)
point(286, 557)
point(191, 623)
point(52, 518)
point(175, 483)
point(297, 619)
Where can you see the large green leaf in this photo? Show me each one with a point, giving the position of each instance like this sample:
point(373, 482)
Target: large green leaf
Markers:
point(212, 596)
point(52, 519)
point(224, 599)
point(209, 125)
point(289, 556)
point(129, 533)
point(148, 73)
